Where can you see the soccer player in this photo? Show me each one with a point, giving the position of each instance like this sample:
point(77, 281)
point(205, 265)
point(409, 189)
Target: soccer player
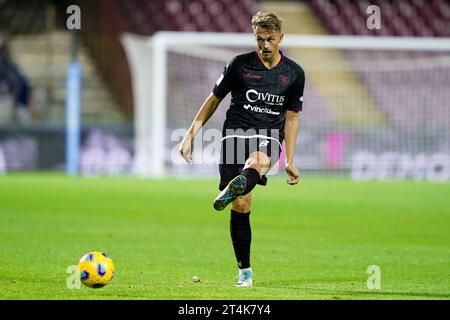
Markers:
point(266, 95)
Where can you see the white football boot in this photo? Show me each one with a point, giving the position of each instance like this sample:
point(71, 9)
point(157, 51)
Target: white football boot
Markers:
point(245, 278)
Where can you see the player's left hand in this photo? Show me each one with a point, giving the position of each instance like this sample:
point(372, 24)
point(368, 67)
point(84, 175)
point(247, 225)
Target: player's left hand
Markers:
point(292, 173)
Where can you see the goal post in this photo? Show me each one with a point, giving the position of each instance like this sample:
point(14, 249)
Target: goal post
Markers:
point(350, 109)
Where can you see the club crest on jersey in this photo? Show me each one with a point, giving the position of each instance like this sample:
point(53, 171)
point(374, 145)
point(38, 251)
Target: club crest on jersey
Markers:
point(283, 79)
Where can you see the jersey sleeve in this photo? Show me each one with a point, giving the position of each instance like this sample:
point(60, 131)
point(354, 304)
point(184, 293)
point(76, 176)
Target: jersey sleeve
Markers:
point(294, 97)
point(226, 80)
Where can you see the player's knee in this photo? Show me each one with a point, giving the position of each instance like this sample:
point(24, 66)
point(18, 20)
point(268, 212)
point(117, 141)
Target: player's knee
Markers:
point(258, 160)
point(242, 205)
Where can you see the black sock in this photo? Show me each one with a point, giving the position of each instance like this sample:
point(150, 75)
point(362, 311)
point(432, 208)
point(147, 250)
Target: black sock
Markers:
point(252, 176)
point(241, 236)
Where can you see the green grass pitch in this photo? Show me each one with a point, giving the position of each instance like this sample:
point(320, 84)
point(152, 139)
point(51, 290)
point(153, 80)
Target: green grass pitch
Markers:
point(312, 241)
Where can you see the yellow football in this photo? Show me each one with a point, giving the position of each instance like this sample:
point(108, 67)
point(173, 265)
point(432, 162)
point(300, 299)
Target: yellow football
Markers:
point(96, 269)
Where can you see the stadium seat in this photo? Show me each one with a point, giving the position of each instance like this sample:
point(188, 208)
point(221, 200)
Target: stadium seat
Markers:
point(418, 18)
point(399, 18)
point(183, 15)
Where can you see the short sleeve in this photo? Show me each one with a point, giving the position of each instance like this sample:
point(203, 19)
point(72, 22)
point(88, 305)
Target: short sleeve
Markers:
point(294, 97)
point(226, 80)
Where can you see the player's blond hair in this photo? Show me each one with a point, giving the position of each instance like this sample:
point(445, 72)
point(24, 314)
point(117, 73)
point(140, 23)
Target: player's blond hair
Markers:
point(266, 20)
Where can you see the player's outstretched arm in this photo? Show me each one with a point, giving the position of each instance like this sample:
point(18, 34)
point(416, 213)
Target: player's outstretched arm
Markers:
point(206, 111)
point(290, 138)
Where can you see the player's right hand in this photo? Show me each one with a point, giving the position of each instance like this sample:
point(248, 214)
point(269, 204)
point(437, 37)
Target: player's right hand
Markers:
point(186, 148)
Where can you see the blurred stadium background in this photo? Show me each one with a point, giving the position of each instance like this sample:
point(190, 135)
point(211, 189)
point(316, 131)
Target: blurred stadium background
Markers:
point(383, 113)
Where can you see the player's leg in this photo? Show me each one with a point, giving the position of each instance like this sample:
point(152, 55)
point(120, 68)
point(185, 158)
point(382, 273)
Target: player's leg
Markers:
point(257, 164)
point(243, 204)
point(241, 237)
point(255, 167)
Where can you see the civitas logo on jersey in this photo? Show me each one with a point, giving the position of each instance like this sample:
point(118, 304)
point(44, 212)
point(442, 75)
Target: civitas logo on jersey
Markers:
point(252, 96)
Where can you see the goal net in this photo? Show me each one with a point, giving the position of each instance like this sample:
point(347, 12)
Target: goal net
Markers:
point(374, 108)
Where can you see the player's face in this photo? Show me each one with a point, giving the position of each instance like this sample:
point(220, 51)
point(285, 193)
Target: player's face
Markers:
point(268, 42)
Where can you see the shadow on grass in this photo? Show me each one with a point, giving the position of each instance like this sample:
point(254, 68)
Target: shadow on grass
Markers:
point(360, 293)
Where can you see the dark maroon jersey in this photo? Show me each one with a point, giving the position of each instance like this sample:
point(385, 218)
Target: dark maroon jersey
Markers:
point(259, 96)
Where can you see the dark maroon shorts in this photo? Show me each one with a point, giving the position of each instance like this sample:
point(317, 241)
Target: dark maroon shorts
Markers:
point(236, 150)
